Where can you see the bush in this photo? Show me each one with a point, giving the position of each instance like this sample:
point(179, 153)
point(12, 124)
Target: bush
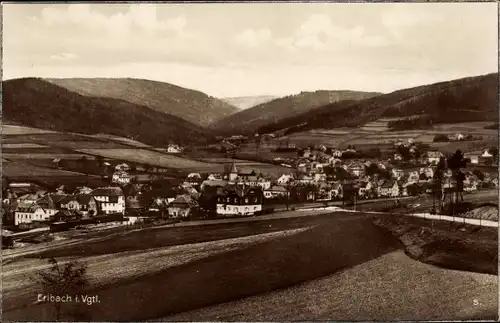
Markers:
point(441, 138)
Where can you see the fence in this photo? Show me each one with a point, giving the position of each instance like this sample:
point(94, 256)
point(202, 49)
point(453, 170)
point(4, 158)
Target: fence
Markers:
point(480, 222)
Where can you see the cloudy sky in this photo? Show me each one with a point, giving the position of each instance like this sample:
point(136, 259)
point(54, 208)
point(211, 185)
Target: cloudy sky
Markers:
point(254, 49)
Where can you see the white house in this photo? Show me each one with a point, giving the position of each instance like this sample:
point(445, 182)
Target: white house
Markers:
point(320, 177)
point(122, 167)
point(474, 158)
point(276, 191)
point(486, 153)
point(110, 199)
point(121, 178)
point(433, 157)
point(263, 183)
point(337, 153)
point(194, 175)
point(28, 213)
point(398, 157)
point(173, 149)
point(214, 177)
point(285, 179)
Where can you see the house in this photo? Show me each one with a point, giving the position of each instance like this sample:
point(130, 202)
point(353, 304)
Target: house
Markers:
point(134, 203)
point(65, 215)
point(28, 199)
point(214, 177)
point(486, 153)
point(247, 180)
point(302, 168)
point(239, 200)
point(456, 137)
point(173, 149)
point(276, 191)
point(324, 192)
point(120, 178)
point(336, 189)
point(213, 183)
point(474, 157)
point(413, 177)
point(263, 183)
point(122, 167)
point(433, 157)
point(285, 179)
point(470, 187)
point(159, 203)
point(194, 175)
point(193, 181)
point(306, 153)
point(305, 179)
point(83, 190)
point(320, 177)
point(27, 213)
point(397, 173)
point(364, 189)
point(389, 188)
point(182, 206)
point(428, 171)
point(83, 204)
point(51, 201)
point(337, 153)
point(109, 199)
point(357, 170)
point(334, 161)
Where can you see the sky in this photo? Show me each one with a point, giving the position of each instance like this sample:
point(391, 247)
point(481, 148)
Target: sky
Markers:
point(244, 49)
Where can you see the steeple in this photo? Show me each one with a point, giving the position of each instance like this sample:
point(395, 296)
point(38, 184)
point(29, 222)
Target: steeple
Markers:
point(233, 173)
point(233, 169)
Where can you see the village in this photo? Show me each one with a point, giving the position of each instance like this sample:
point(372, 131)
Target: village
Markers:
point(139, 193)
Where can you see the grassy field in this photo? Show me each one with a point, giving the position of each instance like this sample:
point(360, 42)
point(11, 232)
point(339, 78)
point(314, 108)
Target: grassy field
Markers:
point(465, 146)
point(260, 266)
point(448, 245)
point(19, 169)
point(377, 132)
point(126, 141)
point(149, 157)
point(181, 269)
point(20, 130)
point(392, 287)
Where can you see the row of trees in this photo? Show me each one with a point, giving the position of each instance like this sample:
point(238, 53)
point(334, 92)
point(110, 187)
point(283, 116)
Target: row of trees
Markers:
point(449, 171)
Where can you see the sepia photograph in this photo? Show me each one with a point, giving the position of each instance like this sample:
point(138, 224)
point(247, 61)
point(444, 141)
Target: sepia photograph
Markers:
point(250, 161)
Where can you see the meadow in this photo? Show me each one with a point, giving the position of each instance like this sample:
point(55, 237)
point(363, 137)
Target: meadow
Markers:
point(143, 156)
point(337, 266)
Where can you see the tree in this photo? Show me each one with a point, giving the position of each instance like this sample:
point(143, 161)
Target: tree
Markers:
point(414, 190)
point(372, 169)
point(440, 138)
point(479, 174)
point(437, 186)
point(456, 162)
point(61, 280)
point(494, 152)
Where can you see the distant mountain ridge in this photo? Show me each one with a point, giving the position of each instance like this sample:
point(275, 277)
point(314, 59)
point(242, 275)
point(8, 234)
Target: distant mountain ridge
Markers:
point(193, 106)
point(250, 120)
point(462, 100)
point(37, 103)
point(245, 102)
